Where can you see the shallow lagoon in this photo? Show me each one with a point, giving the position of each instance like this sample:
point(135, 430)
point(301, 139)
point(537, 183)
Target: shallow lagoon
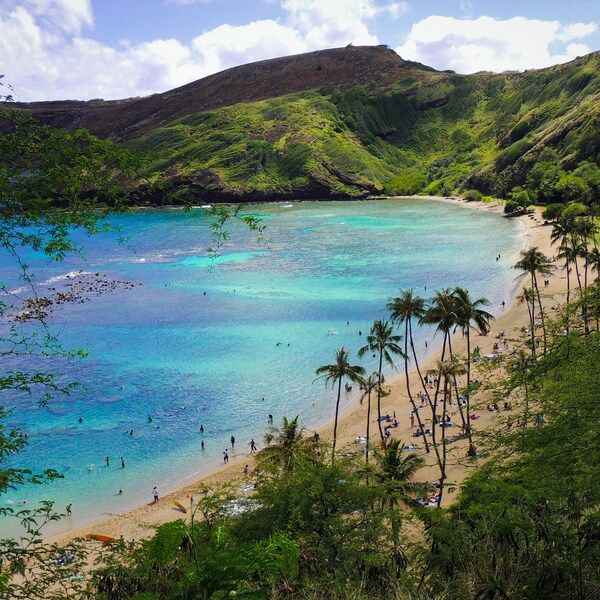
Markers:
point(196, 345)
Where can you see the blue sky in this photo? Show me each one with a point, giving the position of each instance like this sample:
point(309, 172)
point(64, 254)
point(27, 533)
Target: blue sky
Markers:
point(58, 49)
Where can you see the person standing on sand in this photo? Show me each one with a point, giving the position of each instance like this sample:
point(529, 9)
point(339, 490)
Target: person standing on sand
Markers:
point(154, 495)
point(246, 470)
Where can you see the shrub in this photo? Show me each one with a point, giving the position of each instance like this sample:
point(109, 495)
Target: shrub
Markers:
point(574, 210)
point(472, 196)
point(553, 211)
point(510, 207)
point(521, 197)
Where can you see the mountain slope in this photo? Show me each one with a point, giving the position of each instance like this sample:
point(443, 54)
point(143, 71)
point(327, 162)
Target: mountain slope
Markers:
point(359, 121)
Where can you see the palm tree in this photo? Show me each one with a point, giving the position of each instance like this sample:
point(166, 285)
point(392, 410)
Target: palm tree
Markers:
point(527, 296)
point(446, 372)
point(534, 263)
point(471, 315)
point(284, 442)
point(442, 312)
point(394, 474)
point(403, 309)
point(562, 231)
point(594, 261)
point(585, 230)
point(382, 341)
point(368, 385)
point(567, 252)
point(336, 372)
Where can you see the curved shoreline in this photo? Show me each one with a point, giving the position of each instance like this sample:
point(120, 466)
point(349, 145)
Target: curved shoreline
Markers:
point(140, 521)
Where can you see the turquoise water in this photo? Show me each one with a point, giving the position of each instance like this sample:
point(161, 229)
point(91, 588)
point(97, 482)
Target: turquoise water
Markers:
point(225, 346)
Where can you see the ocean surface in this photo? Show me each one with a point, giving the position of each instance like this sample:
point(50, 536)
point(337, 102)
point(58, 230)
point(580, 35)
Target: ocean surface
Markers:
point(190, 341)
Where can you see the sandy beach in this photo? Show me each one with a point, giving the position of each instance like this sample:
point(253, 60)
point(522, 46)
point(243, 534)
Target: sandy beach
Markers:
point(141, 521)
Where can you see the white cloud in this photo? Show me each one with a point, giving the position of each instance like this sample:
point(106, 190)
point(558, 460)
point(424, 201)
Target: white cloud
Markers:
point(576, 30)
point(487, 44)
point(69, 15)
point(227, 45)
point(338, 22)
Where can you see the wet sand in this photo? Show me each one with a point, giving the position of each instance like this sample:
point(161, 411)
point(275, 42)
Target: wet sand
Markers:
point(141, 521)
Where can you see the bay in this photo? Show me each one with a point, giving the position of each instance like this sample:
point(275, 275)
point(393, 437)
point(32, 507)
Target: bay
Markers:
point(190, 341)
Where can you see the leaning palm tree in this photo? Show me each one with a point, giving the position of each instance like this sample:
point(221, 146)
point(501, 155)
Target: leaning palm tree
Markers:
point(394, 474)
point(534, 263)
point(382, 341)
point(403, 309)
point(368, 385)
point(284, 442)
point(470, 315)
point(337, 371)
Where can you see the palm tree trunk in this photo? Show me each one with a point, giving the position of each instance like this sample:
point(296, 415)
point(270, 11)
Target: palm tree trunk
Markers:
point(585, 283)
point(444, 443)
point(539, 297)
point(410, 396)
point(532, 315)
point(335, 422)
point(379, 395)
point(368, 428)
point(460, 410)
point(414, 353)
point(568, 280)
point(433, 405)
point(468, 394)
point(579, 285)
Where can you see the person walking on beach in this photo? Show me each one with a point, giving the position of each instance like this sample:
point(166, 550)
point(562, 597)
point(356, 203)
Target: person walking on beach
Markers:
point(225, 456)
point(252, 446)
point(246, 470)
point(154, 495)
point(68, 509)
point(232, 443)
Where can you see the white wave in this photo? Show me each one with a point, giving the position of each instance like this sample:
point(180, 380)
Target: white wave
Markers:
point(69, 275)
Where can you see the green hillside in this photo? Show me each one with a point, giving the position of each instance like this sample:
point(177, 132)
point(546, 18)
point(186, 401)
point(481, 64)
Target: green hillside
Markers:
point(382, 126)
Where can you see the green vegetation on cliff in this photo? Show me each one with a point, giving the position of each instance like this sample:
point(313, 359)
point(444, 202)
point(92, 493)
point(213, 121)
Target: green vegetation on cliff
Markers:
point(534, 135)
point(359, 121)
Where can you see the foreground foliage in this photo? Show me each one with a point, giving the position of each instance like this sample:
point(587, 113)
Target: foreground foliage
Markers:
point(525, 525)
